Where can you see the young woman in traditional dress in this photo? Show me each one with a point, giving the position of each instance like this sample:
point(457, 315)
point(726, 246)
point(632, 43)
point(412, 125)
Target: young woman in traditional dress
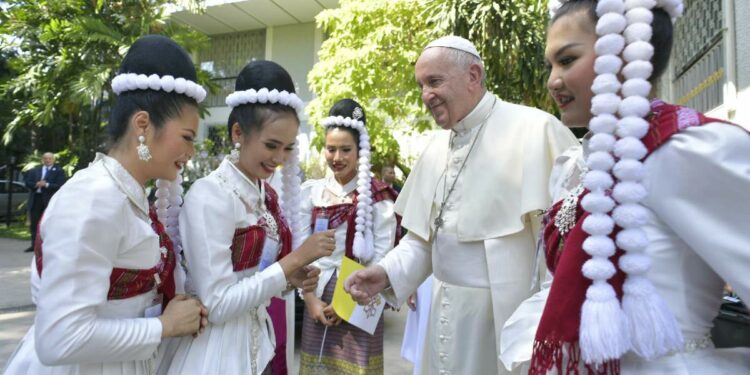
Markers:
point(104, 259)
point(360, 209)
point(237, 236)
point(653, 216)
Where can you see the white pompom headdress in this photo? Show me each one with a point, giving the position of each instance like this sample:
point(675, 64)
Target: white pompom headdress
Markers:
point(642, 322)
point(130, 82)
point(290, 179)
point(363, 247)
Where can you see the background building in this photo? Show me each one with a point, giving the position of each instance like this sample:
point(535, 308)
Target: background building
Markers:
point(242, 31)
point(710, 66)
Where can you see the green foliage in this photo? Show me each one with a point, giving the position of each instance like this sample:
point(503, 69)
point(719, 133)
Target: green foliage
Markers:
point(17, 230)
point(369, 56)
point(67, 53)
point(372, 47)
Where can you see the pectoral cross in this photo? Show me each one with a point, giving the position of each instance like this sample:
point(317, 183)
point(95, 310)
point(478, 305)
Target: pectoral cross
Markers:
point(439, 221)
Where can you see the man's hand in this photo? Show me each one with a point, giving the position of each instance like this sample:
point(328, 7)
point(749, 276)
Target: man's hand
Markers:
point(364, 284)
point(41, 183)
point(412, 301)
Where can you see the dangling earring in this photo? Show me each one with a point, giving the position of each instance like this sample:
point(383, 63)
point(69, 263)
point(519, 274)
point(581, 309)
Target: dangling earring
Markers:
point(234, 156)
point(143, 151)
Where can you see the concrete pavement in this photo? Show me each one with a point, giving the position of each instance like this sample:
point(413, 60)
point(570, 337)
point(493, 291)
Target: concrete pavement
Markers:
point(17, 311)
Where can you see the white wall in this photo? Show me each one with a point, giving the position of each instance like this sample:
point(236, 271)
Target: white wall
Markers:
point(742, 35)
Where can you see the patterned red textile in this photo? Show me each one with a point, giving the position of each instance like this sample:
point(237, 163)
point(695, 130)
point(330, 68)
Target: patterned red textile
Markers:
point(347, 213)
point(556, 342)
point(247, 244)
point(126, 283)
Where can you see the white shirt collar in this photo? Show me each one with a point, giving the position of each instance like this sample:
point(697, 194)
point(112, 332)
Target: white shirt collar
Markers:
point(340, 190)
point(242, 185)
point(477, 115)
point(125, 182)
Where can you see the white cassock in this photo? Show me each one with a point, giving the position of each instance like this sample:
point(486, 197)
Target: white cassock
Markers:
point(483, 256)
point(239, 337)
point(698, 201)
point(97, 221)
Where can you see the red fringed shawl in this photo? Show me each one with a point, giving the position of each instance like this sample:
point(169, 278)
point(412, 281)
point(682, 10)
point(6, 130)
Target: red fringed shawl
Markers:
point(126, 283)
point(247, 244)
point(347, 213)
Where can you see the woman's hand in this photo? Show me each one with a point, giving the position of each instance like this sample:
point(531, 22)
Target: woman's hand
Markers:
point(318, 245)
point(305, 278)
point(317, 309)
point(183, 316)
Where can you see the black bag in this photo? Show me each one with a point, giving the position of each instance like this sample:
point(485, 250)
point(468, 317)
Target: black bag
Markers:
point(732, 325)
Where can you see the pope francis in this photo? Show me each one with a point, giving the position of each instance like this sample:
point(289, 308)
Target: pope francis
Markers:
point(471, 205)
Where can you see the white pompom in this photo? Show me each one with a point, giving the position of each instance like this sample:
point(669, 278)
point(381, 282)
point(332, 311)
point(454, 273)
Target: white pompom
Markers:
point(607, 64)
point(131, 80)
point(600, 160)
point(639, 15)
point(638, 69)
point(607, 6)
point(598, 224)
point(142, 82)
point(629, 170)
point(167, 83)
point(630, 148)
point(604, 123)
point(597, 203)
point(284, 97)
point(638, 32)
point(173, 211)
point(636, 87)
point(251, 96)
point(635, 263)
point(154, 82)
point(629, 215)
point(180, 85)
point(598, 268)
point(597, 180)
point(263, 95)
point(359, 227)
point(632, 239)
point(605, 103)
point(117, 84)
point(637, 106)
point(606, 83)
point(611, 23)
point(190, 89)
point(639, 50)
point(610, 44)
point(632, 4)
point(629, 192)
point(273, 96)
point(599, 246)
point(602, 142)
point(200, 94)
point(631, 126)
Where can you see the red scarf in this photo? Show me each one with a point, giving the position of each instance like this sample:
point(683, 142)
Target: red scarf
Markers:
point(126, 283)
point(247, 244)
point(556, 342)
point(347, 213)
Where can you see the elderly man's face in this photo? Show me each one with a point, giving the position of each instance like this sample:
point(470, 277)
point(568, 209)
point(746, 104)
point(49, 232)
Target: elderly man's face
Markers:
point(48, 159)
point(446, 88)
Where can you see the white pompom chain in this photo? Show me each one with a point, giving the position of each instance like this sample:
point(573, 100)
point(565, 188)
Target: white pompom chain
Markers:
point(290, 200)
point(603, 330)
point(364, 242)
point(653, 329)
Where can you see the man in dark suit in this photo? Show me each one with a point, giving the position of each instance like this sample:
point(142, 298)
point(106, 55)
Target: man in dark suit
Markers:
point(43, 181)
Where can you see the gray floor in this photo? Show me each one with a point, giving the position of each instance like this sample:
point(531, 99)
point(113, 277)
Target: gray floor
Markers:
point(17, 312)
